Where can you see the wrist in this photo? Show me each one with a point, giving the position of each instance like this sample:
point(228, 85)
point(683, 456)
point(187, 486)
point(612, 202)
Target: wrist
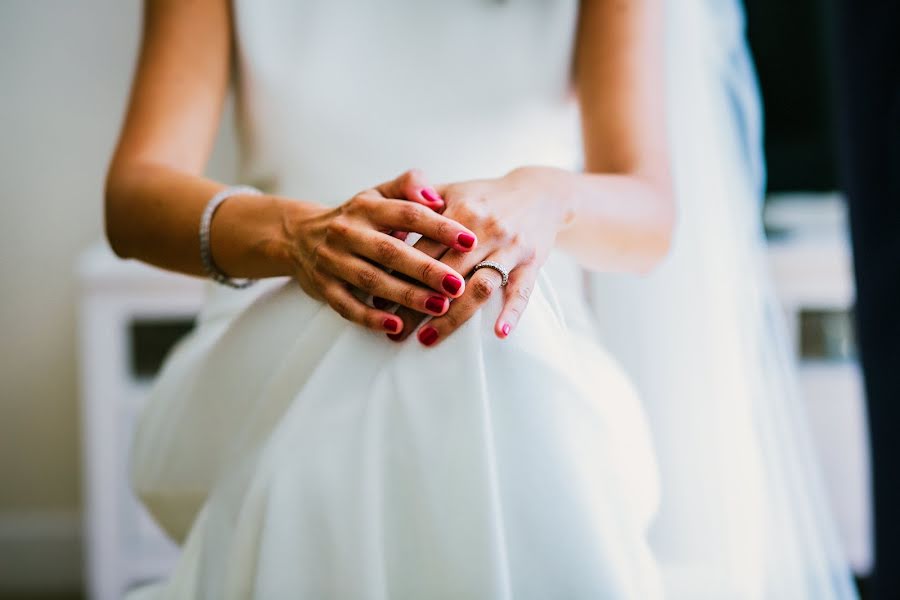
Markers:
point(557, 189)
point(249, 238)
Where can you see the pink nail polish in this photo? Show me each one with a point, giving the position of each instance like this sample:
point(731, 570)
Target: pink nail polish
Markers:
point(436, 304)
point(451, 283)
point(432, 196)
point(505, 329)
point(466, 240)
point(428, 335)
point(380, 303)
point(392, 325)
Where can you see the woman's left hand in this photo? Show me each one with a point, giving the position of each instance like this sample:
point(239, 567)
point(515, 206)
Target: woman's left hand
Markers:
point(516, 219)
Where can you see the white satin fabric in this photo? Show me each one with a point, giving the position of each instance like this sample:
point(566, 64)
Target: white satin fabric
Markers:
point(297, 455)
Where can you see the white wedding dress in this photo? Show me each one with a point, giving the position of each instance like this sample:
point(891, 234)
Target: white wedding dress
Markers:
point(296, 455)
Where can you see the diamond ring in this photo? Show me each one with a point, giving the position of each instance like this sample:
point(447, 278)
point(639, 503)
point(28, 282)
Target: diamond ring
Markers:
point(489, 264)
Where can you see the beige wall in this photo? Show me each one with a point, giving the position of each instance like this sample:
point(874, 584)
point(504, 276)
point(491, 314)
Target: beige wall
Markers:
point(64, 73)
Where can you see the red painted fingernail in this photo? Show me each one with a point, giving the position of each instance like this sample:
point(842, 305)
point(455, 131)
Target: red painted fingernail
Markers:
point(466, 240)
point(392, 325)
point(436, 303)
point(428, 335)
point(395, 336)
point(380, 303)
point(432, 196)
point(451, 283)
point(505, 329)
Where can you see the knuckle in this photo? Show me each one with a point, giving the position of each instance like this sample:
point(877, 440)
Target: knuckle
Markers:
point(482, 288)
point(442, 230)
point(320, 256)
point(367, 279)
point(514, 311)
point(529, 253)
point(467, 211)
point(427, 271)
point(386, 252)
point(497, 228)
point(411, 214)
point(453, 319)
point(341, 307)
point(408, 297)
point(412, 176)
point(359, 203)
point(523, 293)
point(338, 228)
point(372, 321)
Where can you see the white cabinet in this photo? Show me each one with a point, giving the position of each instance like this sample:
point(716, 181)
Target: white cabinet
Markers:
point(128, 314)
point(813, 274)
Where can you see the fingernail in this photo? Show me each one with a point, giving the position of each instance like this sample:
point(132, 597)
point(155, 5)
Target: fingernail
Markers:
point(505, 329)
point(380, 303)
point(451, 283)
point(392, 325)
point(432, 196)
point(436, 304)
point(400, 235)
point(466, 240)
point(395, 336)
point(428, 335)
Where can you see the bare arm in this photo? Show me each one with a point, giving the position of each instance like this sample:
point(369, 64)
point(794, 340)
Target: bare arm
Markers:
point(616, 216)
point(155, 192)
point(624, 208)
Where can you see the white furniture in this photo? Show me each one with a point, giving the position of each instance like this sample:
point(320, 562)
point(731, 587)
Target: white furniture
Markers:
point(813, 274)
point(121, 300)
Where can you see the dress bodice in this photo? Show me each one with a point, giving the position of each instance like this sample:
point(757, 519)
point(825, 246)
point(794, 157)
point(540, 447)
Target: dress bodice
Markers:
point(335, 96)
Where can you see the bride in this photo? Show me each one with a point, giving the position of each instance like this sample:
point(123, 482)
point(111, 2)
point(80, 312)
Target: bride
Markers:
point(413, 401)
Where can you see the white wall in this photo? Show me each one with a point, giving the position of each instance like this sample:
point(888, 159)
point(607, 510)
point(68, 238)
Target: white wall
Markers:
point(64, 75)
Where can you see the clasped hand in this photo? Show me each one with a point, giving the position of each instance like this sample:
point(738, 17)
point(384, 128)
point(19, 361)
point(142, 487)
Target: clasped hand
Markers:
point(512, 220)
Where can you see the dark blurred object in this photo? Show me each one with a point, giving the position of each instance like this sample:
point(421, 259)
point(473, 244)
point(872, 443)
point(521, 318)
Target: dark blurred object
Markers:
point(826, 335)
point(151, 341)
point(792, 44)
point(869, 132)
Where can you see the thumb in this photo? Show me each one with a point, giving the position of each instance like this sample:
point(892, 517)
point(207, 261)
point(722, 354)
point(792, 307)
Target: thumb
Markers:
point(413, 186)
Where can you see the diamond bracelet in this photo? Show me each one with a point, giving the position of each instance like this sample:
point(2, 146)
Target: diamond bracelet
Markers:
point(209, 266)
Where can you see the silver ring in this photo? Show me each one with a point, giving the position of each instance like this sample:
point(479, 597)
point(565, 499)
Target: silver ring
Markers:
point(489, 264)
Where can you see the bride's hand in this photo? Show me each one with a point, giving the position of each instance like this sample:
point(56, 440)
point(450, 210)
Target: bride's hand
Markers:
point(516, 219)
point(336, 250)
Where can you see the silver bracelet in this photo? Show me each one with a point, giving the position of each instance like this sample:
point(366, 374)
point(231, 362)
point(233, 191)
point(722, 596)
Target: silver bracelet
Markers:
point(205, 220)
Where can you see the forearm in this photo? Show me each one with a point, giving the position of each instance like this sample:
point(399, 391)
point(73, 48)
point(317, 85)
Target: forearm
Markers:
point(153, 215)
point(608, 222)
point(618, 222)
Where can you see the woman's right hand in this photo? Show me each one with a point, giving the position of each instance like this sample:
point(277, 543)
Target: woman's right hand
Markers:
point(355, 246)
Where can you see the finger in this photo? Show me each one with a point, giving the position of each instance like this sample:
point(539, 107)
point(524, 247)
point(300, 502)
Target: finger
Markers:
point(466, 260)
point(412, 318)
point(482, 285)
point(401, 258)
point(414, 186)
point(400, 215)
point(351, 308)
point(367, 277)
point(516, 294)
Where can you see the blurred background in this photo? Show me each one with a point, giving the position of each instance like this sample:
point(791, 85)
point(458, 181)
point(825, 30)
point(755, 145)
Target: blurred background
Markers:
point(69, 527)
